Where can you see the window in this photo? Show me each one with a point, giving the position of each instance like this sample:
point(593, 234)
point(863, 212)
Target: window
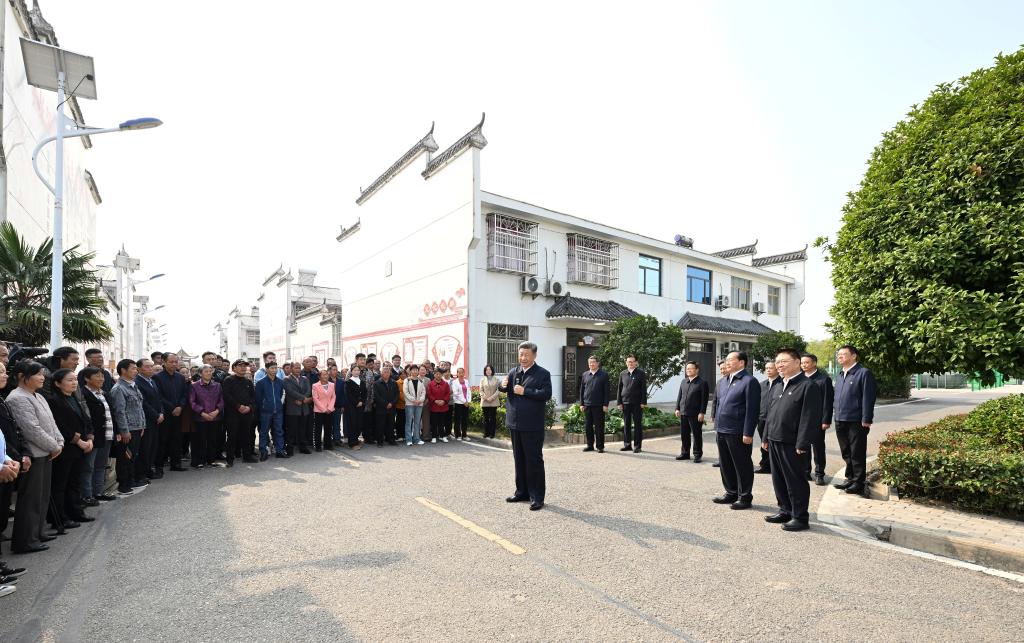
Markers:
point(741, 293)
point(336, 336)
point(594, 262)
point(252, 337)
point(698, 285)
point(511, 245)
point(650, 275)
point(773, 300)
point(701, 347)
point(503, 345)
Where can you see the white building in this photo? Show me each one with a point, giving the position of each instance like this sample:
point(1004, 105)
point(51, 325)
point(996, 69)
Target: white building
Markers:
point(297, 317)
point(515, 271)
point(239, 336)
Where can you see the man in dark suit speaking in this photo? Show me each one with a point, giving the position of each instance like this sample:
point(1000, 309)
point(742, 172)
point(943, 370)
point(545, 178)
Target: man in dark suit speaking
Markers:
point(529, 388)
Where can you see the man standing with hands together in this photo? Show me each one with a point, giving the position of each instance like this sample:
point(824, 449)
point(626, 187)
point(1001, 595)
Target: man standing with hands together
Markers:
point(529, 388)
point(739, 404)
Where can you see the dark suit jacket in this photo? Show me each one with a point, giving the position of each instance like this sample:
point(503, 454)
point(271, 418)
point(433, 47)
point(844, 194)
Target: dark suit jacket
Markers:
point(69, 421)
point(296, 389)
point(238, 391)
point(795, 413)
point(174, 389)
point(98, 416)
point(738, 404)
point(767, 387)
point(526, 412)
point(354, 393)
point(594, 389)
point(152, 403)
point(855, 395)
point(384, 393)
point(828, 394)
point(632, 388)
point(692, 399)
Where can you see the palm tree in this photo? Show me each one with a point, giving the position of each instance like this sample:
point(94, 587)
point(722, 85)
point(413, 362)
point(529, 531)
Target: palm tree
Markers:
point(25, 282)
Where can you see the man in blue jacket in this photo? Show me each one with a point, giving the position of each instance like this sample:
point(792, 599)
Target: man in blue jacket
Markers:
point(173, 388)
point(270, 406)
point(738, 405)
point(854, 413)
point(529, 388)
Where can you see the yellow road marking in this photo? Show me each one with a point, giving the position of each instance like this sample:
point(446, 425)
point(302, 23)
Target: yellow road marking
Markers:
point(347, 459)
point(472, 526)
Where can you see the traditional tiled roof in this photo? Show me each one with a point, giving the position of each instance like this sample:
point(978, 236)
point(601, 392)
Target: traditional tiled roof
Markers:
point(570, 307)
point(786, 257)
point(742, 251)
point(472, 138)
point(722, 325)
point(425, 144)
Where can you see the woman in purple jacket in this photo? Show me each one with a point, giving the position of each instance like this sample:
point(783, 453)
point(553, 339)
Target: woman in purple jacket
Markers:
point(207, 402)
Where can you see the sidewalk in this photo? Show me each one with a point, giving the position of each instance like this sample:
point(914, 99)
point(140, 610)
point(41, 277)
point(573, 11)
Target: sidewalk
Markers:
point(983, 540)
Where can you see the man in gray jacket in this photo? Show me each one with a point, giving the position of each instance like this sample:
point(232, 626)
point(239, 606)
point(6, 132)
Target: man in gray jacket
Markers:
point(298, 411)
point(129, 424)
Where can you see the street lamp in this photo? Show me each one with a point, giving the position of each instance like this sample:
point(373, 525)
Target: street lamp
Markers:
point(48, 67)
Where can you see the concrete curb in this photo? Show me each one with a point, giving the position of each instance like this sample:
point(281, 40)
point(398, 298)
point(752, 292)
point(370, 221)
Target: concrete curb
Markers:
point(940, 542)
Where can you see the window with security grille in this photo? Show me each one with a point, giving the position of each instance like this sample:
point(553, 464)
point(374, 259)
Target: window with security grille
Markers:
point(503, 345)
point(511, 244)
point(741, 293)
point(593, 261)
point(336, 337)
point(252, 337)
point(774, 298)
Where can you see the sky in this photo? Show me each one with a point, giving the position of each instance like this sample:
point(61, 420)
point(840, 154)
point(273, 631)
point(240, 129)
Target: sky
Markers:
point(722, 121)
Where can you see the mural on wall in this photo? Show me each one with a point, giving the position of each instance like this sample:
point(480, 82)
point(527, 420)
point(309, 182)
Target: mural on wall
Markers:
point(438, 334)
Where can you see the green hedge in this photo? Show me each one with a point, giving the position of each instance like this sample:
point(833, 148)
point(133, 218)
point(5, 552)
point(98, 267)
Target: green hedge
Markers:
point(959, 460)
point(1000, 420)
point(574, 422)
point(476, 414)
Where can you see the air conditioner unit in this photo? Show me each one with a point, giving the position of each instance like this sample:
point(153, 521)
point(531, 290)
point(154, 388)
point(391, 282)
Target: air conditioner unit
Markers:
point(758, 308)
point(733, 346)
point(531, 286)
point(721, 302)
point(555, 288)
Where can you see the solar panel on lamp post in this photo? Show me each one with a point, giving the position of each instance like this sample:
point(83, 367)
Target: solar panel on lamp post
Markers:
point(51, 68)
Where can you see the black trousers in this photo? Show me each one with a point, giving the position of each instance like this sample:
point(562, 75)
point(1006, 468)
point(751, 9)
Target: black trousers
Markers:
point(853, 444)
point(818, 451)
point(789, 478)
point(204, 442)
point(460, 417)
point(124, 466)
point(691, 429)
point(322, 427)
point(353, 424)
point(150, 447)
point(593, 415)
point(170, 442)
point(33, 498)
point(384, 426)
point(437, 422)
point(368, 426)
point(306, 430)
point(527, 447)
point(448, 420)
point(765, 462)
point(65, 482)
point(490, 421)
point(632, 415)
point(239, 430)
point(6, 489)
point(399, 424)
point(735, 465)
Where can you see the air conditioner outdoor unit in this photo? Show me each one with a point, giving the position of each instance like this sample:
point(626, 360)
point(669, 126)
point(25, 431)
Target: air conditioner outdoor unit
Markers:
point(555, 288)
point(721, 302)
point(758, 308)
point(531, 286)
point(734, 346)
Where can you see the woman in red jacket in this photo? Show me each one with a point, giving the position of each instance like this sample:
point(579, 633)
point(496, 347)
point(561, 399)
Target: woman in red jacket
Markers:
point(439, 393)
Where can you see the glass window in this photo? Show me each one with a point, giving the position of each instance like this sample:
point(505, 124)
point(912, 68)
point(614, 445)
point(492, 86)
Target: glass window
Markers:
point(503, 346)
point(774, 297)
point(650, 275)
point(741, 293)
point(698, 285)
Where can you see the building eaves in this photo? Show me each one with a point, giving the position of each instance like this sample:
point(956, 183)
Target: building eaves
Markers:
point(570, 307)
point(425, 144)
point(95, 191)
point(472, 138)
point(786, 257)
point(274, 275)
point(722, 325)
point(741, 251)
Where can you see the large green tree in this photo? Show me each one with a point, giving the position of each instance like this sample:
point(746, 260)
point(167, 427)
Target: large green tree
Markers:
point(767, 346)
point(928, 266)
point(25, 280)
point(658, 348)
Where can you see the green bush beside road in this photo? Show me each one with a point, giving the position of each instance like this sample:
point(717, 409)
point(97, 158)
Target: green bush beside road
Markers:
point(974, 461)
point(573, 419)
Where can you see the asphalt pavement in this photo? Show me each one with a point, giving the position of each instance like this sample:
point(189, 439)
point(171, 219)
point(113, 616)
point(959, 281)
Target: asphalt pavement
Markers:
point(417, 543)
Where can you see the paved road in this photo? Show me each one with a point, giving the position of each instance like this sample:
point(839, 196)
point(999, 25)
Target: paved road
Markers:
point(363, 546)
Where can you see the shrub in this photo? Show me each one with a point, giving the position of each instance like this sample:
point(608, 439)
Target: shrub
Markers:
point(948, 461)
point(1000, 420)
point(573, 420)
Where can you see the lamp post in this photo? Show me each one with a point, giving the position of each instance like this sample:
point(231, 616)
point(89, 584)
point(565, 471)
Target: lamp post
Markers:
point(131, 298)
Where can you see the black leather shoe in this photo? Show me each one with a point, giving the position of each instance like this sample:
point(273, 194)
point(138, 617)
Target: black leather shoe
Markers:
point(820, 480)
point(157, 474)
point(264, 456)
point(637, 450)
point(517, 499)
point(809, 478)
point(585, 449)
point(600, 450)
point(716, 464)
point(740, 504)
point(778, 518)
point(626, 449)
point(842, 485)
point(84, 518)
point(12, 571)
point(762, 470)
point(854, 489)
point(724, 499)
point(106, 497)
point(305, 451)
point(250, 459)
point(697, 459)
point(31, 550)
point(71, 524)
point(91, 502)
point(536, 506)
point(47, 539)
point(683, 456)
point(795, 525)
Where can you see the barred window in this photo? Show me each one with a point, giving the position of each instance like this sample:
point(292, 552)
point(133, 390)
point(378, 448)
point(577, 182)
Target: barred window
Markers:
point(592, 261)
point(741, 293)
point(252, 337)
point(336, 337)
point(503, 345)
point(511, 244)
point(774, 297)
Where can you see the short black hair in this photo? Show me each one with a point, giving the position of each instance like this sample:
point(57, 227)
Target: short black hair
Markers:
point(742, 356)
point(89, 371)
point(124, 365)
point(64, 351)
point(394, 356)
point(205, 353)
point(812, 356)
point(694, 364)
point(92, 351)
point(595, 358)
point(851, 348)
point(156, 354)
point(792, 352)
point(26, 368)
point(268, 353)
point(631, 355)
point(269, 364)
point(371, 356)
point(60, 374)
point(358, 355)
point(168, 354)
point(139, 361)
point(487, 366)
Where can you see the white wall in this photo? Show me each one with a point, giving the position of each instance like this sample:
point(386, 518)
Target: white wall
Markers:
point(273, 319)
